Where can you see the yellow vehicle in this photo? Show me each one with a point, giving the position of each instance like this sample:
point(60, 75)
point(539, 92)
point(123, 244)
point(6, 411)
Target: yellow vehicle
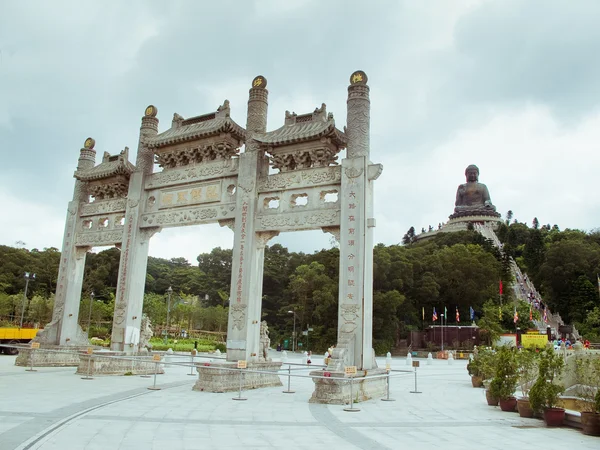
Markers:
point(15, 335)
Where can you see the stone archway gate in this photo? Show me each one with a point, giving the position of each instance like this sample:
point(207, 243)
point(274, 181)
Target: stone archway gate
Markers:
point(206, 179)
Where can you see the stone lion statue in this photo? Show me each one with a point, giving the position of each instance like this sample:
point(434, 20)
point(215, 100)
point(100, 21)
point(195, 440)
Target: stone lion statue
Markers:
point(265, 342)
point(145, 333)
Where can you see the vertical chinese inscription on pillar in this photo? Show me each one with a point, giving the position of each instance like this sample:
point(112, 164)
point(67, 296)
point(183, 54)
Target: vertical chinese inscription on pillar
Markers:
point(352, 266)
point(121, 304)
point(240, 276)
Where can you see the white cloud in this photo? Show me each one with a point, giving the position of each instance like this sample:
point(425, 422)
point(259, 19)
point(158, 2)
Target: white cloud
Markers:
point(449, 87)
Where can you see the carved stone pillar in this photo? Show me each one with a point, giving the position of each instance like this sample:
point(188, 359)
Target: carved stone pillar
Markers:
point(64, 328)
point(131, 282)
point(255, 306)
point(243, 326)
point(355, 314)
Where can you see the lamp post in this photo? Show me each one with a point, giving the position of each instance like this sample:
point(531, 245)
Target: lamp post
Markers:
point(92, 295)
point(169, 292)
point(294, 333)
point(28, 276)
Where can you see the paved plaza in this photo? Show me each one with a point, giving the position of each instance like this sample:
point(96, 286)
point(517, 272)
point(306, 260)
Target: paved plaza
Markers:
point(55, 409)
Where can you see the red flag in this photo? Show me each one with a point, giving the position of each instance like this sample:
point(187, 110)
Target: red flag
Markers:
point(501, 291)
point(457, 315)
point(530, 313)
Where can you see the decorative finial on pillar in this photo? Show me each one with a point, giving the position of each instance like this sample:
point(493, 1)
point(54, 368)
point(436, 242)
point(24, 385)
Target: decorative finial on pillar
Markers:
point(358, 77)
point(89, 143)
point(257, 106)
point(145, 158)
point(358, 120)
point(149, 121)
point(87, 155)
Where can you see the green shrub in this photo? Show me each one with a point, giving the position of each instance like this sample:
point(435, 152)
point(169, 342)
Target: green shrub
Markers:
point(221, 347)
point(546, 390)
point(506, 376)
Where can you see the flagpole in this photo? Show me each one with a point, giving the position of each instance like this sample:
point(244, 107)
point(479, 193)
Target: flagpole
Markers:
point(442, 314)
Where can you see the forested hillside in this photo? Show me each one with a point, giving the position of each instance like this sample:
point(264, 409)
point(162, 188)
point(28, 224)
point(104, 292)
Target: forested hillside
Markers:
point(457, 270)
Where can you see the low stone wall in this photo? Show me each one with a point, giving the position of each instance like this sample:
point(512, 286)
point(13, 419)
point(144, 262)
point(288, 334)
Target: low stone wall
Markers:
point(335, 389)
point(218, 376)
point(101, 363)
point(50, 356)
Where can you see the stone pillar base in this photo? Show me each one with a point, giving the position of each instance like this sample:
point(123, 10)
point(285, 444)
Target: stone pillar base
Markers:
point(212, 377)
point(99, 364)
point(335, 390)
point(50, 356)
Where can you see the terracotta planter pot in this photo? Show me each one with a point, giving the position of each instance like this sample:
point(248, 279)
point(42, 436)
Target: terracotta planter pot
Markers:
point(508, 404)
point(524, 408)
point(591, 423)
point(490, 400)
point(554, 417)
point(476, 381)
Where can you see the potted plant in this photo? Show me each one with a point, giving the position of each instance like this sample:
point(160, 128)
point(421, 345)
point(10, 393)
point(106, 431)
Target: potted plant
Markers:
point(587, 372)
point(505, 379)
point(474, 371)
point(527, 370)
point(487, 369)
point(544, 393)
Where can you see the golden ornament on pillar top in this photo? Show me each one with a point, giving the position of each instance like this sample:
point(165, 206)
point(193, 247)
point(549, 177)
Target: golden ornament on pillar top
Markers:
point(151, 111)
point(358, 77)
point(89, 143)
point(259, 82)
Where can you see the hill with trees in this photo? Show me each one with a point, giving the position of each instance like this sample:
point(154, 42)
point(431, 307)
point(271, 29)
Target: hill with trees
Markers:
point(452, 270)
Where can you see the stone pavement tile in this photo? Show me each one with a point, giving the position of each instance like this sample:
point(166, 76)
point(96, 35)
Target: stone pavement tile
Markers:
point(8, 422)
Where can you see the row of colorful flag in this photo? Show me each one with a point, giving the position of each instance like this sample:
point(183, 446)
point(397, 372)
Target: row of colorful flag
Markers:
point(434, 316)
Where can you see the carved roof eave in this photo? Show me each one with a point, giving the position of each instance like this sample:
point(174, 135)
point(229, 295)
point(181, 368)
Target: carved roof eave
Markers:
point(303, 132)
point(105, 170)
point(209, 128)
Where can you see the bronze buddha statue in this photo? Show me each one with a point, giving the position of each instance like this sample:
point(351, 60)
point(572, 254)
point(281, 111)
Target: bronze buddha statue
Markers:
point(473, 197)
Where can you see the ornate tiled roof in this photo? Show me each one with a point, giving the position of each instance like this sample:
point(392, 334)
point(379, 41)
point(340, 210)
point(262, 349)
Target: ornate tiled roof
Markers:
point(305, 127)
point(110, 166)
point(207, 125)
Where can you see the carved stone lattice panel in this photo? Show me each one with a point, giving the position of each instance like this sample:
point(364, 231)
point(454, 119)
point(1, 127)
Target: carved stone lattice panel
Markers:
point(190, 195)
point(321, 153)
point(191, 174)
point(309, 220)
point(219, 148)
point(188, 216)
point(301, 178)
point(99, 238)
point(113, 187)
point(297, 200)
point(102, 222)
point(103, 207)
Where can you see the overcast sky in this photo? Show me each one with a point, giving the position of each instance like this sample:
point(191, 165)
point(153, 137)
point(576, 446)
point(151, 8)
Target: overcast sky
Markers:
point(512, 86)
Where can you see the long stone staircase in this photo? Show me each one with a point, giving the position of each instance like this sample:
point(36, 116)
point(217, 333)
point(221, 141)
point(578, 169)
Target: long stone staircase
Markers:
point(523, 287)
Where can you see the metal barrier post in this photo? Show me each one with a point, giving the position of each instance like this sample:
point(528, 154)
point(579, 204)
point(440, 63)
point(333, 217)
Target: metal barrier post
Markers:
point(156, 359)
point(415, 365)
point(192, 366)
point(351, 408)
point(289, 391)
point(387, 397)
point(239, 397)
